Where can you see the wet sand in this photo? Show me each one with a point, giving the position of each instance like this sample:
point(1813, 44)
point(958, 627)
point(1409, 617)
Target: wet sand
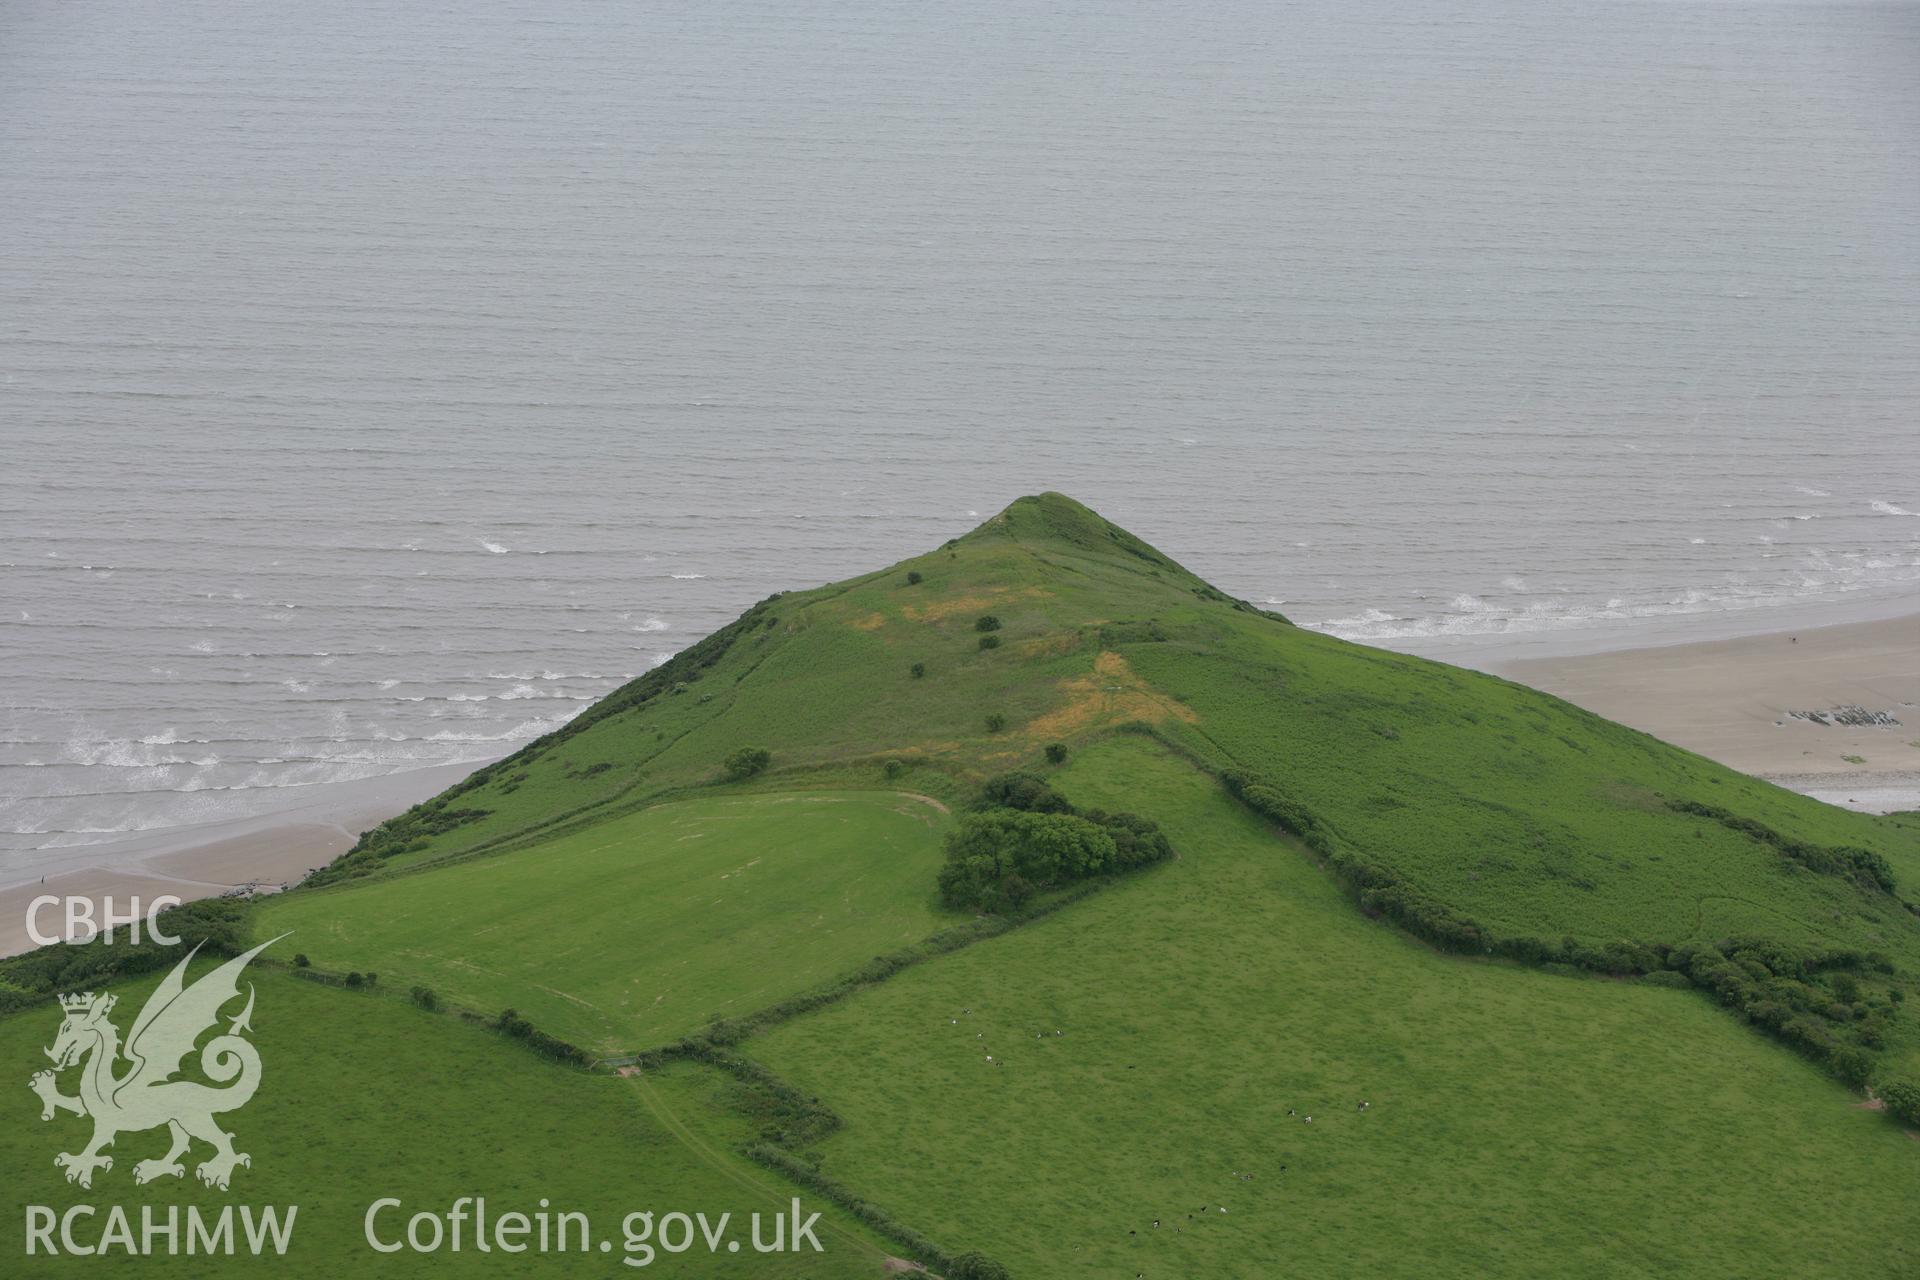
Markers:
point(261, 854)
point(1736, 701)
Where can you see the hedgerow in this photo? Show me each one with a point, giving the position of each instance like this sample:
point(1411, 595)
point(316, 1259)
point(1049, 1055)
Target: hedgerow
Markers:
point(512, 1024)
point(1769, 983)
point(1864, 867)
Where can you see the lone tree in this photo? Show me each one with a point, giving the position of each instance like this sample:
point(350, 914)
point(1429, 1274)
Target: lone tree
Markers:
point(986, 622)
point(746, 762)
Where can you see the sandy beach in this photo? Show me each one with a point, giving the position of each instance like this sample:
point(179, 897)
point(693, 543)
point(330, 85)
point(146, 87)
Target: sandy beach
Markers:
point(1831, 711)
point(261, 854)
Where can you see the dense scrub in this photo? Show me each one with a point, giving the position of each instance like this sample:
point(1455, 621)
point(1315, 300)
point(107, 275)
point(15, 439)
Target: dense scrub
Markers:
point(216, 925)
point(1027, 838)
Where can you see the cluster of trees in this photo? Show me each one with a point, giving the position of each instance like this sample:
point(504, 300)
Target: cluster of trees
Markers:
point(1775, 986)
point(1027, 838)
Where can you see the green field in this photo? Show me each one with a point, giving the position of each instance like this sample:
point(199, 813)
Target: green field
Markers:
point(1521, 1124)
point(645, 928)
point(364, 1097)
point(1614, 1008)
point(1494, 813)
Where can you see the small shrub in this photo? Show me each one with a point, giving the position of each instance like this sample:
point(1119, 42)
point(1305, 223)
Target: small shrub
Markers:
point(973, 1265)
point(1854, 1066)
point(986, 622)
point(1903, 1100)
point(913, 578)
point(1056, 752)
point(1025, 792)
point(893, 768)
point(425, 998)
point(300, 960)
point(996, 722)
point(746, 762)
point(919, 670)
point(989, 642)
point(355, 980)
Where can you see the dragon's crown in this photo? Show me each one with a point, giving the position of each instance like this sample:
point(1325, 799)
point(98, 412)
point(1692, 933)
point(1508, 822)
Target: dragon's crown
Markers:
point(77, 1003)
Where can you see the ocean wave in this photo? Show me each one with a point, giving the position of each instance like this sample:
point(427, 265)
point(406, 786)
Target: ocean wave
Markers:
point(168, 738)
point(1472, 616)
point(1890, 509)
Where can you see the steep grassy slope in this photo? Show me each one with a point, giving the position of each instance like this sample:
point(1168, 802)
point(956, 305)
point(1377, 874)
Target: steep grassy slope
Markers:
point(645, 928)
point(1518, 1124)
point(364, 1097)
point(1484, 815)
point(604, 882)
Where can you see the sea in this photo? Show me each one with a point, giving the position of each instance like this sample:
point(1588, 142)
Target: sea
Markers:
point(382, 383)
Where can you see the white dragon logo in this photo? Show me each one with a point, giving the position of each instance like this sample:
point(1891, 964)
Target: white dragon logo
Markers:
point(147, 1095)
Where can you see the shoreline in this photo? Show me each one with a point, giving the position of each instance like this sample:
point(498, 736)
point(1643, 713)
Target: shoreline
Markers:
point(1494, 651)
point(1765, 703)
point(261, 854)
point(1731, 698)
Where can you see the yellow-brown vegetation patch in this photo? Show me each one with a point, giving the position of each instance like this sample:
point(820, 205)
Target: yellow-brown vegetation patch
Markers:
point(1110, 694)
point(1047, 646)
point(977, 603)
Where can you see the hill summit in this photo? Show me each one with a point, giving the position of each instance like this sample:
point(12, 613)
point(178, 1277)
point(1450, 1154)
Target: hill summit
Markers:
point(1481, 816)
